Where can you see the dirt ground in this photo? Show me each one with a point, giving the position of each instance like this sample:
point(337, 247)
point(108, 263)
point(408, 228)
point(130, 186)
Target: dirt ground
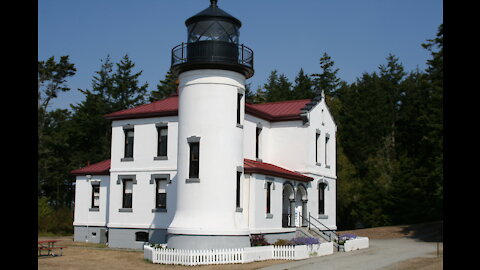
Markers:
point(96, 256)
point(420, 263)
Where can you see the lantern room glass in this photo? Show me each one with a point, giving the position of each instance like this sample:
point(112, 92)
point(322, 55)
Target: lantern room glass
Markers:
point(218, 30)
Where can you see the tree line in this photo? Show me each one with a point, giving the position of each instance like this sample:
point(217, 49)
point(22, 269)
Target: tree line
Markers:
point(389, 136)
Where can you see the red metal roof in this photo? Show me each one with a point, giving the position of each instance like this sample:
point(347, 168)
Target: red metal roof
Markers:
point(277, 111)
point(99, 168)
point(250, 166)
point(164, 107)
point(273, 111)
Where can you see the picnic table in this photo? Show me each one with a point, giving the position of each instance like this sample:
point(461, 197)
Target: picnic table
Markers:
point(49, 246)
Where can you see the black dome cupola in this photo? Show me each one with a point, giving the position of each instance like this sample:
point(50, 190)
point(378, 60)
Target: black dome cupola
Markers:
point(213, 43)
point(213, 24)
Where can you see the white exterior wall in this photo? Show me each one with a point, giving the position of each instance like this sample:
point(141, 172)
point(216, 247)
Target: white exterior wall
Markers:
point(249, 129)
point(143, 201)
point(323, 122)
point(142, 166)
point(207, 109)
point(83, 201)
point(145, 144)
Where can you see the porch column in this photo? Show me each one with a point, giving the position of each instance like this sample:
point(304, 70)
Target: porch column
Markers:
point(304, 212)
point(292, 213)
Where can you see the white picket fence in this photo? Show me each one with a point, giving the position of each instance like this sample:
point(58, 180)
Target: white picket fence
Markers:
point(234, 255)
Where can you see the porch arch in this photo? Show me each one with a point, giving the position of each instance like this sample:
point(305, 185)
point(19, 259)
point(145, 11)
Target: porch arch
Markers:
point(288, 204)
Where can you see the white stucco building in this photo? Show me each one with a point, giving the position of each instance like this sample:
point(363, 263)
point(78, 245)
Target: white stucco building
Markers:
point(204, 169)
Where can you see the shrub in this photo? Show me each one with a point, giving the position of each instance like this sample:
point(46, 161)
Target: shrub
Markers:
point(54, 221)
point(258, 240)
point(282, 242)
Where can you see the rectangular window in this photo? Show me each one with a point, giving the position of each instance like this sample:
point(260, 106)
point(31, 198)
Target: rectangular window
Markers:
point(239, 106)
point(95, 196)
point(317, 142)
point(326, 150)
point(129, 134)
point(269, 184)
point(161, 194)
point(127, 193)
point(239, 176)
point(162, 141)
point(194, 160)
point(257, 142)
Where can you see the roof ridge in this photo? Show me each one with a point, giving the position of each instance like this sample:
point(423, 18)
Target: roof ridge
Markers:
point(284, 101)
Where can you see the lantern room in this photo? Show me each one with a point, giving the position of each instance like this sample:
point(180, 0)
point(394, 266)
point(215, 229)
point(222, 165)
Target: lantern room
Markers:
point(213, 43)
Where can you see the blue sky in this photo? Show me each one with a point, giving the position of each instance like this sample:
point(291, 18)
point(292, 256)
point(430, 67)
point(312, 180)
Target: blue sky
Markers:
point(285, 35)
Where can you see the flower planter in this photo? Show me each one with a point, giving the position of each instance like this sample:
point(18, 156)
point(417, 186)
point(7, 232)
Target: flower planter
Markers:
point(357, 243)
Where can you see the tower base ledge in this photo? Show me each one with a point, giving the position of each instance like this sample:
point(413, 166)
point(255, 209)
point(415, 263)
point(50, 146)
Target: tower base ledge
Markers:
point(208, 231)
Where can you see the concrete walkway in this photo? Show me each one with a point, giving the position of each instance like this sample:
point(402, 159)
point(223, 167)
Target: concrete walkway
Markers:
point(381, 253)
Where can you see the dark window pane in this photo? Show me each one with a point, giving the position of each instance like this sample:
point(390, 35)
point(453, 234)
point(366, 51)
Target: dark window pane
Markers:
point(239, 103)
point(321, 199)
point(95, 196)
point(239, 175)
point(258, 131)
point(127, 193)
point(194, 159)
point(141, 236)
point(269, 184)
point(162, 141)
point(161, 200)
point(129, 134)
point(161, 194)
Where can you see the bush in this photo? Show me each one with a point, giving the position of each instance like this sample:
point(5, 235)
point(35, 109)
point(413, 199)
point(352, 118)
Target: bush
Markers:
point(258, 240)
point(282, 242)
point(54, 221)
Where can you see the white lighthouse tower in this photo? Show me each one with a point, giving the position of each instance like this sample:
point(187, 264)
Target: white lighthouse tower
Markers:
point(212, 68)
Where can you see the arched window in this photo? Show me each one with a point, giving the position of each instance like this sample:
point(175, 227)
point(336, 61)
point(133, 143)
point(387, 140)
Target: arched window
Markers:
point(321, 198)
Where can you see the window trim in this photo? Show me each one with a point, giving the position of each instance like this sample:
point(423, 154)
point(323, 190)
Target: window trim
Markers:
point(157, 183)
point(120, 181)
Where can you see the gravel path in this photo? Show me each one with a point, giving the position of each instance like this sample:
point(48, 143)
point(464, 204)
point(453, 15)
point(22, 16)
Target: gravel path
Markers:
point(381, 254)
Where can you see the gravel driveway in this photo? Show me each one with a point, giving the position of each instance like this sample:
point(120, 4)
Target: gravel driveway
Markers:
point(380, 254)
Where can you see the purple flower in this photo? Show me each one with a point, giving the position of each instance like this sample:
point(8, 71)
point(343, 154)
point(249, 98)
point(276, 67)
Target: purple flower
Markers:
point(304, 241)
point(347, 236)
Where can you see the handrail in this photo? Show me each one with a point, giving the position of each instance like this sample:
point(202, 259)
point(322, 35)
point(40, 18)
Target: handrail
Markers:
point(320, 230)
point(212, 51)
point(327, 229)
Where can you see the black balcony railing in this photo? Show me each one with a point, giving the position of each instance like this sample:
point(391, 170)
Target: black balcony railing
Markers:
point(213, 53)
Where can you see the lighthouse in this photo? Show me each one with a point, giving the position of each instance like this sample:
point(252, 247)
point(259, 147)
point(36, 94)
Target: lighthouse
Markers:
point(212, 67)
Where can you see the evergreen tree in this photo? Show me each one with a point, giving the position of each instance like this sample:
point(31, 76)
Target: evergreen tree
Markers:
point(327, 81)
point(165, 88)
point(278, 88)
point(303, 88)
point(52, 146)
point(126, 92)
